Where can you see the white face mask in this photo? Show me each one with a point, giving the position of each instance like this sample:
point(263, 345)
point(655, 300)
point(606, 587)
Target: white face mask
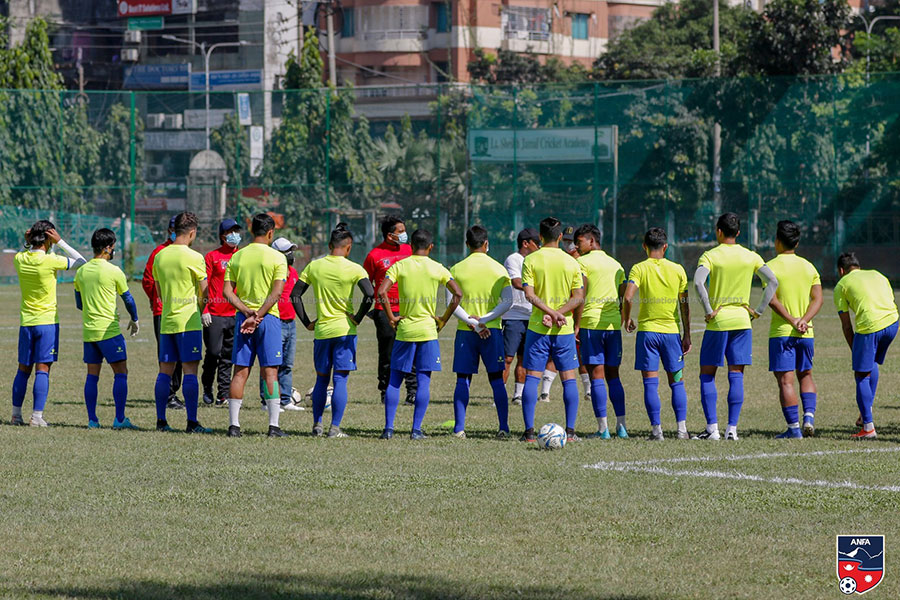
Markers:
point(233, 239)
point(402, 238)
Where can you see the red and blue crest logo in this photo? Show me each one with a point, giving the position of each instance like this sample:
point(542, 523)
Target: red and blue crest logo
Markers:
point(860, 562)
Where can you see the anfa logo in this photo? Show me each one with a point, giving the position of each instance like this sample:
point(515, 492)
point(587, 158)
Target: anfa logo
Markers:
point(196, 349)
point(860, 562)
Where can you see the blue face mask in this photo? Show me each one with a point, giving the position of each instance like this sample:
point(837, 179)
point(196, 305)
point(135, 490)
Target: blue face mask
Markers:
point(233, 239)
point(402, 238)
point(172, 236)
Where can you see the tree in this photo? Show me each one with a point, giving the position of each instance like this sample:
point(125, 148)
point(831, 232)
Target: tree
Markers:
point(230, 140)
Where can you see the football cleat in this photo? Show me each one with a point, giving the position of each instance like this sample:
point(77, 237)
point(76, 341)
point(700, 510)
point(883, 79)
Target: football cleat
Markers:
point(291, 406)
point(276, 432)
point(790, 433)
point(621, 432)
point(571, 437)
point(417, 434)
point(317, 430)
point(93, 424)
point(410, 399)
point(335, 433)
point(234, 431)
point(38, 422)
point(17, 420)
point(732, 436)
point(196, 427)
point(517, 400)
point(599, 435)
point(809, 427)
point(862, 434)
point(175, 404)
point(163, 425)
point(125, 424)
point(387, 434)
point(655, 437)
point(528, 436)
point(222, 402)
point(460, 434)
point(706, 435)
point(208, 396)
point(544, 398)
point(683, 435)
point(502, 435)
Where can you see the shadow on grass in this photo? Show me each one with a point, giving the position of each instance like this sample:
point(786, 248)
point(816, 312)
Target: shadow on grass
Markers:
point(355, 586)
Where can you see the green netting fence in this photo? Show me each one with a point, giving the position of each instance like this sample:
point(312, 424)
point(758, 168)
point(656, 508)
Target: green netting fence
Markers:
point(823, 151)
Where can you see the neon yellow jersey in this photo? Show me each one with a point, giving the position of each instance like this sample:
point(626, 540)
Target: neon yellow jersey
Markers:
point(796, 277)
point(100, 282)
point(482, 279)
point(333, 279)
point(178, 269)
point(660, 282)
point(37, 281)
point(731, 269)
point(418, 278)
point(553, 275)
point(604, 275)
point(252, 270)
point(870, 296)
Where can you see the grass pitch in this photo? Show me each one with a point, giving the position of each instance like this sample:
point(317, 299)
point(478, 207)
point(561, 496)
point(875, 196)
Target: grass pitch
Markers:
point(102, 514)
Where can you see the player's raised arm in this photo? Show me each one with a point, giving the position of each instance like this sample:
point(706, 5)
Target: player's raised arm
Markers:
point(75, 257)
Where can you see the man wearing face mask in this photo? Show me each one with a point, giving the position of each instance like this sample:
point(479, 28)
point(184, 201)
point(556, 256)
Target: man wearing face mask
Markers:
point(377, 263)
point(149, 285)
point(218, 316)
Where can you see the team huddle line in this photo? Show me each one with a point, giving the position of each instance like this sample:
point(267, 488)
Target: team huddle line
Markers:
point(557, 305)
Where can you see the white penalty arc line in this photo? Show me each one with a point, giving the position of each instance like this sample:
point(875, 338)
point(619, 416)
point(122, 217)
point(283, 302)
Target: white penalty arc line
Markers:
point(650, 466)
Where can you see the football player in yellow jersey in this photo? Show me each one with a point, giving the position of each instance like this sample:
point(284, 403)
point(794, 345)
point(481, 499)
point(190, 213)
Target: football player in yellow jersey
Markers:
point(868, 294)
point(797, 300)
point(488, 295)
point(39, 320)
point(730, 268)
point(97, 284)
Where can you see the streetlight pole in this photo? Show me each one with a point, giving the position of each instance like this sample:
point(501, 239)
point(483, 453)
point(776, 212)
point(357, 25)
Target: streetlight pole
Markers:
point(206, 54)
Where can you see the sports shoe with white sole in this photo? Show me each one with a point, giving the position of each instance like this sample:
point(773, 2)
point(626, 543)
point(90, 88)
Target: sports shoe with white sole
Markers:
point(38, 422)
point(599, 435)
point(732, 436)
point(336, 433)
point(517, 400)
point(683, 435)
point(655, 437)
point(317, 430)
point(862, 434)
point(502, 435)
point(809, 427)
point(460, 434)
point(544, 398)
point(705, 435)
point(291, 406)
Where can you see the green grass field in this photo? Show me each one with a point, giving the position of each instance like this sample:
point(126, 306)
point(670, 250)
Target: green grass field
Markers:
point(103, 514)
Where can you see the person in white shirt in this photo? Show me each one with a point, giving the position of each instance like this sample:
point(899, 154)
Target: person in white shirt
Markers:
point(515, 321)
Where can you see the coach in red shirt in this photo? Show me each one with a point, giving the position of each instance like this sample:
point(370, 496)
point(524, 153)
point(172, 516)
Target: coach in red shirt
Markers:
point(149, 285)
point(378, 261)
point(218, 316)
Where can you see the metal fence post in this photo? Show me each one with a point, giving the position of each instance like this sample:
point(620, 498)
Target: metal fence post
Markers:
point(132, 160)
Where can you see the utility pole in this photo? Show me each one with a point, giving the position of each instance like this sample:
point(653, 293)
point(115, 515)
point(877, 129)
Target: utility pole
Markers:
point(717, 128)
point(332, 76)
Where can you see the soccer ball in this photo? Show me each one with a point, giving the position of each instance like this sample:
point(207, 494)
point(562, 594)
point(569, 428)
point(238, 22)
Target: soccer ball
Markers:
point(328, 393)
point(551, 436)
point(848, 585)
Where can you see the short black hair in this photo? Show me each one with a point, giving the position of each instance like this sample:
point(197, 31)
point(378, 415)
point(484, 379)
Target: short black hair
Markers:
point(262, 224)
point(551, 229)
point(729, 224)
point(185, 222)
point(588, 230)
point(847, 260)
point(529, 234)
point(421, 239)
point(340, 236)
point(655, 238)
point(788, 233)
point(388, 224)
point(37, 235)
point(102, 238)
point(476, 236)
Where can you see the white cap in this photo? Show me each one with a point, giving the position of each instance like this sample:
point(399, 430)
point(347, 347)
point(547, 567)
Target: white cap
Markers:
point(283, 245)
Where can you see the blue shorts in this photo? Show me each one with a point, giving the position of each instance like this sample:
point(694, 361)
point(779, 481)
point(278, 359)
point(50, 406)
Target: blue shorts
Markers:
point(38, 344)
point(650, 347)
point(424, 356)
point(184, 347)
point(871, 348)
point(469, 346)
point(113, 350)
point(539, 348)
point(263, 344)
point(514, 337)
point(337, 353)
point(790, 353)
point(735, 346)
point(601, 347)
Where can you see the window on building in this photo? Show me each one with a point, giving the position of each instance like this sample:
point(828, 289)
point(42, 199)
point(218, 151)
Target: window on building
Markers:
point(216, 27)
point(443, 17)
point(526, 23)
point(393, 22)
point(580, 26)
point(158, 46)
point(348, 28)
point(441, 71)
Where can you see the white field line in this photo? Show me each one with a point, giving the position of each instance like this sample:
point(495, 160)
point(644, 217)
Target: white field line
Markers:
point(650, 466)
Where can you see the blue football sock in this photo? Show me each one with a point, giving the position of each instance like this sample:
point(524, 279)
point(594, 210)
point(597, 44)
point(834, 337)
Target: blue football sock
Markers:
point(864, 398)
point(190, 389)
point(423, 394)
point(460, 403)
point(161, 394)
point(120, 394)
point(570, 401)
point(339, 397)
point(598, 397)
point(791, 414)
point(529, 400)
point(320, 398)
point(617, 395)
point(40, 389)
point(873, 380)
point(708, 398)
point(735, 396)
point(19, 387)
point(501, 400)
point(90, 396)
point(679, 400)
point(809, 402)
point(392, 397)
point(651, 399)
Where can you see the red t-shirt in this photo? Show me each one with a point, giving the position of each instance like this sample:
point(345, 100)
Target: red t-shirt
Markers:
point(216, 261)
point(285, 308)
point(149, 284)
point(378, 262)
